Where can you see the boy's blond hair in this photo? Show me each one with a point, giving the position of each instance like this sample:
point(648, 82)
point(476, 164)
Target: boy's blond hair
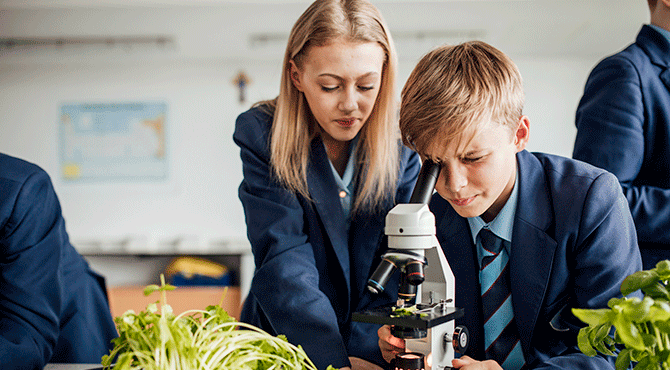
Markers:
point(294, 127)
point(454, 89)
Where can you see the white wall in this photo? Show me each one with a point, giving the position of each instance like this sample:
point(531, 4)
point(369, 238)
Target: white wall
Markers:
point(200, 196)
point(199, 199)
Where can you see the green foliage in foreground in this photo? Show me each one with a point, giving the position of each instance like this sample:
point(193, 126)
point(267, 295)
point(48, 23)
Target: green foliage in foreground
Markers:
point(641, 326)
point(197, 340)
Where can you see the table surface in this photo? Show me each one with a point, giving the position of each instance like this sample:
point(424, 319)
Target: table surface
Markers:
point(72, 366)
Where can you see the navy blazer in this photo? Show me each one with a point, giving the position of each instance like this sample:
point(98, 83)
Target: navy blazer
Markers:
point(623, 126)
point(573, 243)
point(53, 308)
point(310, 274)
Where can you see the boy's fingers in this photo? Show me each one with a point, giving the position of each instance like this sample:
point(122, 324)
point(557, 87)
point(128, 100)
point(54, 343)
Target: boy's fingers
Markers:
point(388, 344)
point(385, 335)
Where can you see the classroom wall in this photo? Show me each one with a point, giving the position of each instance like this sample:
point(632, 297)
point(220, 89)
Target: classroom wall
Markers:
point(200, 196)
point(198, 201)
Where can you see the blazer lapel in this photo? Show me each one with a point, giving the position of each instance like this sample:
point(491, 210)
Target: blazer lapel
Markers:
point(323, 190)
point(532, 247)
point(657, 47)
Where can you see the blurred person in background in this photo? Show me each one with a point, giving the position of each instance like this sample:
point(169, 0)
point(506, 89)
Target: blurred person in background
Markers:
point(53, 307)
point(623, 126)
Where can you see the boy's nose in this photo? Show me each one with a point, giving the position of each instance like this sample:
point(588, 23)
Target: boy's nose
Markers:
point(454, 177)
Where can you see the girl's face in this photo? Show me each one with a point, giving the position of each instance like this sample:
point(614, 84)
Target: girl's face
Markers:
point(340, 81)
point(477, 180)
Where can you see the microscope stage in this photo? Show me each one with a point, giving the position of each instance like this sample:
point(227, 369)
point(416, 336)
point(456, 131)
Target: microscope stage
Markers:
point(383, 315)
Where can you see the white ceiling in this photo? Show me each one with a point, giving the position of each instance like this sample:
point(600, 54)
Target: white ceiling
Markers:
point(225, 29)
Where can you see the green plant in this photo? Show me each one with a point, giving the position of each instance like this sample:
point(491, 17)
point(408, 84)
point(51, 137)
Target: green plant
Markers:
point(208, 339)
point(641, 326)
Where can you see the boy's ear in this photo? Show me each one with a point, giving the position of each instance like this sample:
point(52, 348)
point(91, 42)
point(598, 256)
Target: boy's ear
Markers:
point(522, 133)
point(294, 72)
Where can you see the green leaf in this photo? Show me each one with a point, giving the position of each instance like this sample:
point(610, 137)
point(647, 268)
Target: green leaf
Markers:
point(663, 269)
point(657, 290)
point(648, 363)
point(602, 348)
point(150, 289)
point(592, 317)
point(637, 310)
point(659, 311)
point(638, 280)
point(628, 332)
point(602, 332)
point(649, 340)
point(623, 359)
point(584, 343)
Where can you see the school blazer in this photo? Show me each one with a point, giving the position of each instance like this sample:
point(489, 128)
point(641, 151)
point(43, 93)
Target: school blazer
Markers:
point(573, 243)
point(310, 273)
point(623, 126)
point(53, 307)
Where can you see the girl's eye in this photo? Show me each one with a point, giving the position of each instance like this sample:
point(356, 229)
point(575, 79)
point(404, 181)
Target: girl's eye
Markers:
point(328, 88)
point(366, 88)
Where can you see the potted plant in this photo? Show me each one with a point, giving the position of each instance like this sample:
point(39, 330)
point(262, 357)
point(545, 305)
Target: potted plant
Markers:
point(156, 339)
point(641, 325)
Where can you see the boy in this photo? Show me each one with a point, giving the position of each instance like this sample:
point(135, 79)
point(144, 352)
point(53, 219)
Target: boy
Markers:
point(564, 231)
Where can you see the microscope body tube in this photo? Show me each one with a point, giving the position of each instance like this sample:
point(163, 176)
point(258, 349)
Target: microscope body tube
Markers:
point(425, 183)
point(394, 258)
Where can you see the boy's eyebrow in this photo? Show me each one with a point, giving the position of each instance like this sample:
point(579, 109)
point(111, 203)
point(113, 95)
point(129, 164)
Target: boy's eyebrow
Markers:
point(473, 152)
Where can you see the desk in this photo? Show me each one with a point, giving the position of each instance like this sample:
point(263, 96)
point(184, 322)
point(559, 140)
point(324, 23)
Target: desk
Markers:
point(73, 367)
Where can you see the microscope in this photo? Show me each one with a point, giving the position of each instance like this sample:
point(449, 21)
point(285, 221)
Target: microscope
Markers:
point(425, 311)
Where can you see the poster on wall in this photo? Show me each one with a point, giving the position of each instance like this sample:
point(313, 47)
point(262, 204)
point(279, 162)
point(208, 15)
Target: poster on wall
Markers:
point(103, 142)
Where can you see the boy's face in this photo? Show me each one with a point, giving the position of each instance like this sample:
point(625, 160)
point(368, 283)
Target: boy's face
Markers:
point(477, 180)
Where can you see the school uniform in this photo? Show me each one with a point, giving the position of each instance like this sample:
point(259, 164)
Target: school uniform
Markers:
point(312, 259)
point(572, 243)
point(623, 126)
point(53, 307)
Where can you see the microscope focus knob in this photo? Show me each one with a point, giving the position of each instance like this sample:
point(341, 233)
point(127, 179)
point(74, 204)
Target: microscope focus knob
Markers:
point(460, 340)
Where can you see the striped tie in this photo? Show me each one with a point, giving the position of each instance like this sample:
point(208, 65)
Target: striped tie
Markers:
point(501, 337)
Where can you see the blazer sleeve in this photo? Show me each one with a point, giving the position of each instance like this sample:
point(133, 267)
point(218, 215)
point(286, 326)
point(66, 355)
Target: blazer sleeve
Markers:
point(32, 233)
point(286, 281)
point(610, 123)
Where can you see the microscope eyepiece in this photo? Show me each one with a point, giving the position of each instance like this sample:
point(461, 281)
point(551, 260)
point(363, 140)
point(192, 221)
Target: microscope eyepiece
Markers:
point(425, 182)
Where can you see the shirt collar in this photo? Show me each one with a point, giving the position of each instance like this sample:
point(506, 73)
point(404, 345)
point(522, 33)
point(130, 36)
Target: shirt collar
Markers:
point(345, 181)
point(503, 223)
point(662, 31)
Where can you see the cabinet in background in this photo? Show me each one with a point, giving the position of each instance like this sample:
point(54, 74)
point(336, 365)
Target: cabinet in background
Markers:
point(126, 274)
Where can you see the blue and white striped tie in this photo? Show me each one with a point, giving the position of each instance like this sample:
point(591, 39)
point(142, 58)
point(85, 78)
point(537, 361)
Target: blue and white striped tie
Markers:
point(501, 337)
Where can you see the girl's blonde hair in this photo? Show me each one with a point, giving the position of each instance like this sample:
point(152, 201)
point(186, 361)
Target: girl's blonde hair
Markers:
point(454, 90)
point(294, 127)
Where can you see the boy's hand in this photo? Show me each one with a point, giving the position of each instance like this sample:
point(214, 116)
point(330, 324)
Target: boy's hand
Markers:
point(389, 345)
point(467, 363)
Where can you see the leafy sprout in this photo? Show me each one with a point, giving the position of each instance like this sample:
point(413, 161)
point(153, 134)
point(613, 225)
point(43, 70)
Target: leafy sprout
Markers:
point(209, 339)
point(641, 326)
